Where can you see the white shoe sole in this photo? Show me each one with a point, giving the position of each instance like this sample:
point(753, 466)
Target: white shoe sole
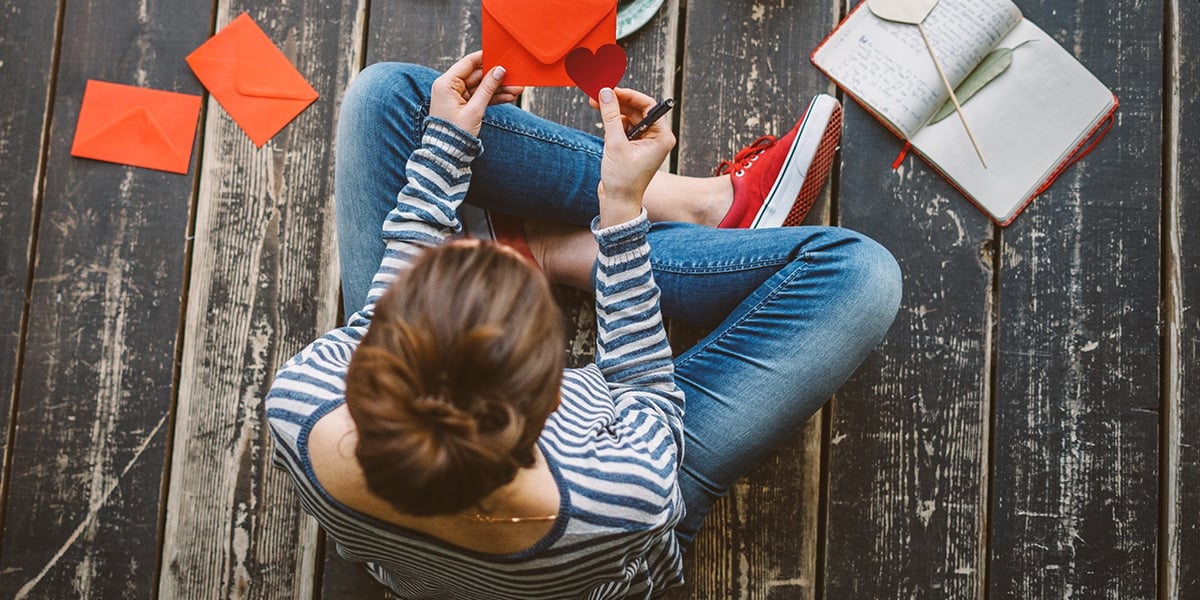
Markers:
point(779, 201)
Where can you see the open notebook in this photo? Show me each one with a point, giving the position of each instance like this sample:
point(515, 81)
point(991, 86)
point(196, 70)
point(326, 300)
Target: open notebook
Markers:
point(1032, 122)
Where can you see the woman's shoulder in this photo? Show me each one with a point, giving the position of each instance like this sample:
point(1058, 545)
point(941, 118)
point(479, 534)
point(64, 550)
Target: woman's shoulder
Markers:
point(330, 446)
point(313, 377)
point(331, 351)
point(585, 400)
point(591, 425)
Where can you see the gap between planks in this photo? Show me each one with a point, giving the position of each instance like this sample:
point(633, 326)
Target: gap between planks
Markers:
point(39, 191)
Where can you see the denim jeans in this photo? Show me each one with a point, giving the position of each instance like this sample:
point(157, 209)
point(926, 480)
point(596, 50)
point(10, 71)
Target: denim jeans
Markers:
point(793, 311)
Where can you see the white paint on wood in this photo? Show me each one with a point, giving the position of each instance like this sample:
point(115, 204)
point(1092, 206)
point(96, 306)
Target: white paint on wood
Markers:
point(111, 393)
point(98, 501)
point(1172, 314)
point(991, 261)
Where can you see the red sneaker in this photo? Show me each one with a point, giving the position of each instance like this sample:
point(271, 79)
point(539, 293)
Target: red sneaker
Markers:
point(776, 181)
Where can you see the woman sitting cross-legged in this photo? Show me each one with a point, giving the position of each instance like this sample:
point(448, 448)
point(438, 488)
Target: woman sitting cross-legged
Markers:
point(437, 437)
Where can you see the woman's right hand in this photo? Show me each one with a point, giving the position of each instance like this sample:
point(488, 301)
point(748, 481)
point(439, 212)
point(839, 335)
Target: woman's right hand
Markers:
point(628, 165)
point(464, 91)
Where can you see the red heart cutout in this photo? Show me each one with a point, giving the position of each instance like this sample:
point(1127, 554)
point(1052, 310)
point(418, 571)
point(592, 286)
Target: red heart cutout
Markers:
point(591, 72)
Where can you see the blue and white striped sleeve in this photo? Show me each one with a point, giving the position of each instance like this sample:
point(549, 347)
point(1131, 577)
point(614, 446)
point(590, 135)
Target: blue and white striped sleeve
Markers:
point(632, 348)
point(426, 210)
point(311, 381)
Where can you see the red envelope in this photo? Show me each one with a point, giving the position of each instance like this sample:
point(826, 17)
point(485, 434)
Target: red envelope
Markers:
point(530, 38)
point(254, 82)
point(136, 126)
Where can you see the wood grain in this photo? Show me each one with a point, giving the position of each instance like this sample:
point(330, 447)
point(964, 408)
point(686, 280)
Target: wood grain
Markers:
point(745, 74)
point(28, 34)
point(264, 285)
point(1075, 489)
point(908, 436)
point(1181, 446)
point(84, 494)
point(434, 33)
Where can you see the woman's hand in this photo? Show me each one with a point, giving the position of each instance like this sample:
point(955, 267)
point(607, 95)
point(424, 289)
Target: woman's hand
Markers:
point(461, 94)
point(628, 166)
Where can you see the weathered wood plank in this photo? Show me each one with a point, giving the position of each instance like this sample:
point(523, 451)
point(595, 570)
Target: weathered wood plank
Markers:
point(435, 33)
point(744, 75)
point(264, 285)
point(429, 32)
point(83, 508)
point(908, 438)
point(1075, 480)
point(1182, 554)
point(28, 34)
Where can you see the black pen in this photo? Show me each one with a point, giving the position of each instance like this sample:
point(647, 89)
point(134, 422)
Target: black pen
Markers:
point(655, 114)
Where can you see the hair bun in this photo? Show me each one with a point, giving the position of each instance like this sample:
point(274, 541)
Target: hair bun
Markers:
point(439, 414)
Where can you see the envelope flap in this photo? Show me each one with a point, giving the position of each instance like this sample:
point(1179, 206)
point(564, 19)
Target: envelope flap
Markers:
point(548, 29)
point(261, 70)
point(136, 128)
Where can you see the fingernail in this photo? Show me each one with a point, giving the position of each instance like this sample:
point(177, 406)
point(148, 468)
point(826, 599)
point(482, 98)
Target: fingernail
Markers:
point(498, 73)
point(606, 95)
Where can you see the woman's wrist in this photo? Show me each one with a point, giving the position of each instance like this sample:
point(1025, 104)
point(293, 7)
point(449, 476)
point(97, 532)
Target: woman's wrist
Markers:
point(618, 204)
point(615, 212)
point(621, 237)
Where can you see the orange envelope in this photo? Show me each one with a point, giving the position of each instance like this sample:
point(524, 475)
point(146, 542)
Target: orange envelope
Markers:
point(254, 82)
point(530, 38)
point(136, 126)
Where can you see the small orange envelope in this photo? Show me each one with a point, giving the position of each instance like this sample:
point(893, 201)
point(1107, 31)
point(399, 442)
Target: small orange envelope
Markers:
point(530, 38)
point(254, 82)
point(136, 126)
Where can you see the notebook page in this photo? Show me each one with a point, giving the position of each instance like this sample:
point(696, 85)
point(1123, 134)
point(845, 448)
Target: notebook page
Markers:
point(1027, 121)
point(887, 66)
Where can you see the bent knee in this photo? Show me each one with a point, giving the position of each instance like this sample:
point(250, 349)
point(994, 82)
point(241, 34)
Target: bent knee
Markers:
point(391, 75)
point(388, 84)
point(876, 266)
point(869, 275)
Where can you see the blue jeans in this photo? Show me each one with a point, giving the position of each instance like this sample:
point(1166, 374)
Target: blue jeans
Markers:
point(793, 311)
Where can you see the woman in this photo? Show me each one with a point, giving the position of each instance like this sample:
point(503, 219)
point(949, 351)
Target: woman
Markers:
point(438, 439)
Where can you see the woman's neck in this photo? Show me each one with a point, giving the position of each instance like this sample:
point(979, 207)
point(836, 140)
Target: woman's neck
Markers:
point(525, 498)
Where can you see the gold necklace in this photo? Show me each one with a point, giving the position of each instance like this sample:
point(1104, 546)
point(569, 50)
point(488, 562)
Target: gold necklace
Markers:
point(482, 518)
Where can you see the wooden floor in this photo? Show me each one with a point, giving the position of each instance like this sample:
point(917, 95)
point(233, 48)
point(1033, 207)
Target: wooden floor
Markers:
point(1030, 428)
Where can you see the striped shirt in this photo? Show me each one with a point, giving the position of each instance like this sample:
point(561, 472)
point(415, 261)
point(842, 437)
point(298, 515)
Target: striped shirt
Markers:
point(613, 445)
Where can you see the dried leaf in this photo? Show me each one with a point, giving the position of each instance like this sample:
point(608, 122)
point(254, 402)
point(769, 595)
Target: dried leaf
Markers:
point(996, 62)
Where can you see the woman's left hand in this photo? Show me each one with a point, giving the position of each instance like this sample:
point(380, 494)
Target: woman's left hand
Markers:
point(463, 92)
point(627, 166)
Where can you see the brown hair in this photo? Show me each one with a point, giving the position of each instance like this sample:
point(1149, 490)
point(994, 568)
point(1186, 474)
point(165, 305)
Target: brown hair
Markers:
point(451, 386)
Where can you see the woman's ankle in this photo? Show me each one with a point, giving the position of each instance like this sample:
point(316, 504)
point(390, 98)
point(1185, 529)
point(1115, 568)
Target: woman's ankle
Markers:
point(699, 200)
point(565, 253)
point(719, 200)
